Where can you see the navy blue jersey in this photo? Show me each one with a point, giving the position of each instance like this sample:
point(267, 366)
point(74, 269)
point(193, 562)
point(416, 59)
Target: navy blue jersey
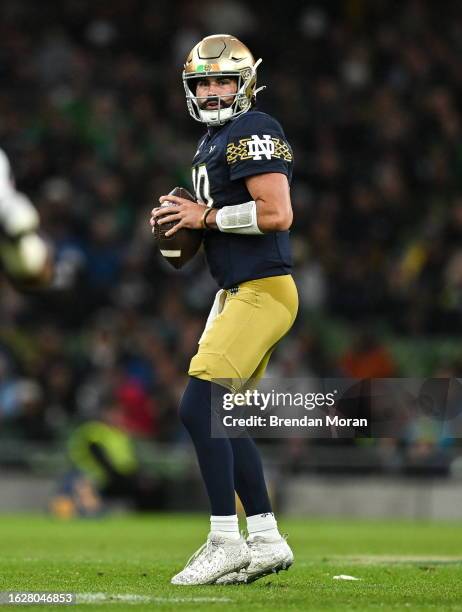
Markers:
point(254, 143)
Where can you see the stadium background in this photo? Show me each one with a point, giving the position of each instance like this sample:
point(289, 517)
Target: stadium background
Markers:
point(93, 117)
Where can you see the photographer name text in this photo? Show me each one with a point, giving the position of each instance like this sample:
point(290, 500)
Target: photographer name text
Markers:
point(304, 421)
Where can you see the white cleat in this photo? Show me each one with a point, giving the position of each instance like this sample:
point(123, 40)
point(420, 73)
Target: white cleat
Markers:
point(217, 557)
point(268, 557)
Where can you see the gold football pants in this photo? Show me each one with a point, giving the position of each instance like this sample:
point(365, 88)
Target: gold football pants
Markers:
point(238, 344)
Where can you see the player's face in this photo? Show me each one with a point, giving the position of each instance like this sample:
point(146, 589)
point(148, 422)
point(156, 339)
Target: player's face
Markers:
point(209, 88)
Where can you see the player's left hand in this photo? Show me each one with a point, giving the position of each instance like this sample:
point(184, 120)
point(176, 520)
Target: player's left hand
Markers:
point(186, 213)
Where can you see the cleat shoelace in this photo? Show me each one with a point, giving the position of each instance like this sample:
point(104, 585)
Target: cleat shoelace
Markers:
point(203, 554)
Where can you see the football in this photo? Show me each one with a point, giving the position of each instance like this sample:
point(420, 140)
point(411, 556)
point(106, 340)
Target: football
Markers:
point(184, 244)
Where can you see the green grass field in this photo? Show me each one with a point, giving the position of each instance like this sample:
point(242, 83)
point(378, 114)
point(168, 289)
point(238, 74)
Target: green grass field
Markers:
point(127, 563)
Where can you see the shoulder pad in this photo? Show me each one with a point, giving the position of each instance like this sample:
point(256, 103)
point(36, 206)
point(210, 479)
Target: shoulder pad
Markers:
point(255, 121)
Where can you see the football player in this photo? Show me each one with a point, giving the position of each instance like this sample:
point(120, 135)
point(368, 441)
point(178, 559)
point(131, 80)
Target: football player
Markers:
point(24, 256)
point(241, 174)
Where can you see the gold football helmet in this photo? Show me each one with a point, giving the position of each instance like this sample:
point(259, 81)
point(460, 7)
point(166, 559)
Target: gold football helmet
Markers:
point(221, 55)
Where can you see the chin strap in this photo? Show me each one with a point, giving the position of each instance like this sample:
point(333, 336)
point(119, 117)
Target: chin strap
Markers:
point(216, 117)
point(259, 89)
point(255, 66)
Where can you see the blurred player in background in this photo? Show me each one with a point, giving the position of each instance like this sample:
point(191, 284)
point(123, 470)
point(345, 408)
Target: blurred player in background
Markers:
point(241, 174)
point(24, 256)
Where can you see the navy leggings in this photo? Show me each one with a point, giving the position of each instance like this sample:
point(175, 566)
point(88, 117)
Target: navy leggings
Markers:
point(226, 464)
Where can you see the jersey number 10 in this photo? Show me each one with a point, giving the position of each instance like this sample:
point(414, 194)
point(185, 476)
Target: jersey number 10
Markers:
point(201, 184)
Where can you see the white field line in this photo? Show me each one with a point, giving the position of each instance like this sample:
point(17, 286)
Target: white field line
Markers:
point(384, 559)
point(129, 598)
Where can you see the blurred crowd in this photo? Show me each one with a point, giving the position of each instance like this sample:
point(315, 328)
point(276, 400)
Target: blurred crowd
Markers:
point(93, 117)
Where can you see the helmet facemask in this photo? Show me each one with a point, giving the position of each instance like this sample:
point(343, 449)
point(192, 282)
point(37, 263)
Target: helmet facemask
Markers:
point(243, 98)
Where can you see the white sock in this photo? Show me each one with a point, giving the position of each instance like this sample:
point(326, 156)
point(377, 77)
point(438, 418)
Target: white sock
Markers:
point(226, 526)
point(263, 525)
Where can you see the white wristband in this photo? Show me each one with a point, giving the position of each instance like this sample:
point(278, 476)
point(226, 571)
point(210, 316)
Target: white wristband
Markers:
point(238, 219)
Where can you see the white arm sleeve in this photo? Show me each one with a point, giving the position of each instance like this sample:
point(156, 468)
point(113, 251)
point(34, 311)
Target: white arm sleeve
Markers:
point(238, 219)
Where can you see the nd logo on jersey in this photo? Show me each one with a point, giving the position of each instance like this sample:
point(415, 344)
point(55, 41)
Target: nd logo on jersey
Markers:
point(260, 147)
point(257, 147)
